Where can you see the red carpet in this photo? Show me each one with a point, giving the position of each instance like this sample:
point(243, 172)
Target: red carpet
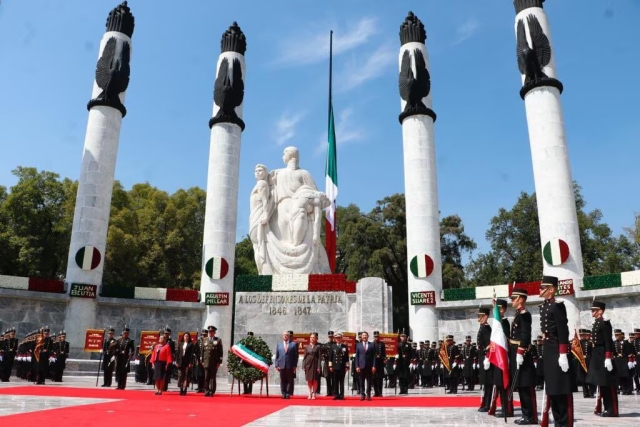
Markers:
point(143, 406)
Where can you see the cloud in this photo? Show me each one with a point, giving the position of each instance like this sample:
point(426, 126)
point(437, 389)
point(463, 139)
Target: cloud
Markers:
point(466, 30)
point(286, 127)
point(360, 71)
point(347, 131)
point(313, 47)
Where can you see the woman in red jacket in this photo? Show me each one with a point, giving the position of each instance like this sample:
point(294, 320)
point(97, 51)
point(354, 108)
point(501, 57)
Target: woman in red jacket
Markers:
point(160, 358)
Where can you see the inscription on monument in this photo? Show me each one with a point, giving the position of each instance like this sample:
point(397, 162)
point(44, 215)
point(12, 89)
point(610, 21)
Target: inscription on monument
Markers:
point(423, 298)
point(565, 287)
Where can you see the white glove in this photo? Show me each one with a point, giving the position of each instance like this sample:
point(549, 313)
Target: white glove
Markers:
point(519, 360)
point(634, 363)
point(563, 362)
point(535, 364)
point(454, 365)
point(630, 365)
point(608, 365)
point(101, 351)
point(486, 364)
point(475, 366)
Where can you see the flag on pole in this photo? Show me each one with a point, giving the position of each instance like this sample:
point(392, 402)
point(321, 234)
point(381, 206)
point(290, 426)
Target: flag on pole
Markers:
point(576, 349)
point(498, 355)
point(331, 176)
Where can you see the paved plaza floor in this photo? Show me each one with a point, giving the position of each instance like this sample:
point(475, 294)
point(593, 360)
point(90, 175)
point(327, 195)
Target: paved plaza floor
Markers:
point(30, 400)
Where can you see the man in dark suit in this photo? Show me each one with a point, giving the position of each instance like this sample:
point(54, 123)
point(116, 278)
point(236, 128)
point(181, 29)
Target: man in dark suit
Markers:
point(365, 356)
point(286, 363)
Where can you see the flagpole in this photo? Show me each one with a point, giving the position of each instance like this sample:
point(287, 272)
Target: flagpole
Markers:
point(331, 172)
point(330, 73)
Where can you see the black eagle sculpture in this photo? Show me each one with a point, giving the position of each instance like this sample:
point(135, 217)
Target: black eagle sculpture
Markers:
point(112, 75)
point(413, 88)
point(532, 59)
point(228, 93)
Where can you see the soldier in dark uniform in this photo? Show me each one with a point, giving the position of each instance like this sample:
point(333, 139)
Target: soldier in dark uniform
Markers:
point(172, 344)
point(539, 362)
point(601, 367)
point(587, 350)
point(324, 362)
point(557, 380)
point(425, 364)
point(485, 368)
point(507, 403)
point(636, 346)
point(378, 364)
point(43, 349)
point(455, 362)
point(62, 352)
point(197, 361)
point(247, 387)
point(414, 374)
point(9, 352)
point(433, 359)
point(124, 350)
point(469, 355)
point(210, 359)
point(402, 363)
point(520, 359)
point(338, 365)
point(623, 352)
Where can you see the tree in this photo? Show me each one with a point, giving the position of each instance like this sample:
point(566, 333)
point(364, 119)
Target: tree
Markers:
point(245, 262)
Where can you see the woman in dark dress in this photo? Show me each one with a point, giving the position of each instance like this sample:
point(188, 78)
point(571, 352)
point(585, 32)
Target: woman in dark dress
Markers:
point(161, 356)
point(311, 364)
point(184, 354)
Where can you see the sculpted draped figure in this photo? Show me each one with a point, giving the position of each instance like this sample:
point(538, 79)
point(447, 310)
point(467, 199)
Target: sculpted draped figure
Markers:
point(285, 220)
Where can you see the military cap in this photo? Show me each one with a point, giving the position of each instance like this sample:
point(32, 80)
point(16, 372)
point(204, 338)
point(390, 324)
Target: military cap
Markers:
point(636, 330)
point(501, 303)
point(459, 345)
point(403, 334)
point(631, 333)
point(63, 333)
point(617, 331)
point(291, 333)
point(427, 341)
point(518, 292)
point(111, 329)
point(126, 328)
point(483, 310)
point(46, 329)
point(421, 342)
point(468, 337)
point(539, 337)
point(439, 341)
point(376, 333)
point(597, 305)
point(212, 328)
point(582, 331)
point(433, 344)
point(449, 337)
point(249, 334)
point(167, 330)
point(330, 333)
point(204, 331)
point(549, 281)
point(414, 344)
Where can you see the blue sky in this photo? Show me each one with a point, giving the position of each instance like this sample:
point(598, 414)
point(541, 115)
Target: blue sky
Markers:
point(48, 52)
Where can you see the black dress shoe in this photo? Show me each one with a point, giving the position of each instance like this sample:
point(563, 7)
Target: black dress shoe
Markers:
point(368, 397)
point(483, 409)
point(362, 397)
point(606, 414)
point(336, 397)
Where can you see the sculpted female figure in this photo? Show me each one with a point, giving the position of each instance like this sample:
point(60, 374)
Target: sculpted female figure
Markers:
point(261, 204)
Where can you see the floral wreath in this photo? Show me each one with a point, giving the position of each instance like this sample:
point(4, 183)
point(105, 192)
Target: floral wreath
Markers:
point(243, 371)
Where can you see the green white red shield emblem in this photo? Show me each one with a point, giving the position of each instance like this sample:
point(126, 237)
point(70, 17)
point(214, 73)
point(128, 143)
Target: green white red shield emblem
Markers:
point(421, 265)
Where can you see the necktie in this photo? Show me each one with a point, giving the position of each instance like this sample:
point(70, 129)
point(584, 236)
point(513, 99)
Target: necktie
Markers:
point(365, 347)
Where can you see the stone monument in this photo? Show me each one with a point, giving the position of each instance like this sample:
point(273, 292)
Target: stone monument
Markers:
point(286, 215)
point(420, 181)
point(219, 240)
point(93, 202)
point(559, 232)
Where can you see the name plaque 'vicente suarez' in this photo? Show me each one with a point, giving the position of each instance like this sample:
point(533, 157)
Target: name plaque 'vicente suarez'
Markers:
point(83, 291)
point(423, 298)
point(565, 287)
point(216, 298)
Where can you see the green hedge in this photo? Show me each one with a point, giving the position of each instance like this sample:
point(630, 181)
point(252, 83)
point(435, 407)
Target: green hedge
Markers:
point(113, 291)
point(602, 282)
point(459, 294)
point(253, 284)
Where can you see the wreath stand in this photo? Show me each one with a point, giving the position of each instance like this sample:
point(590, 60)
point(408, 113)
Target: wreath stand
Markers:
point(262, 381)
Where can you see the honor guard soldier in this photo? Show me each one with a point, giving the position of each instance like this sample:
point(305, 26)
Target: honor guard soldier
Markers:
point(453, 375)
point(636, 366)
point(211, 358)
point(507, 403)
point(62, 352)
point(42, 351)
point(587, 350)
point(378, 364)
point(198, 367)
point(601, 367)
point(539, 362)
point(485, 374)
point(172, 345)
point(521, 369)
point(425, 364)
point(325, 349)
point(247, 387)
point(622, 353)
point(402, 363)
point(469, 355)
point(124, 350)
point(557, 380)
point(338, 365)
point(9, 352)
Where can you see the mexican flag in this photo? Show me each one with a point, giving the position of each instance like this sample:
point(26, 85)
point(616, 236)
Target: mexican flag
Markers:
point(331, 189)
point(498, 355)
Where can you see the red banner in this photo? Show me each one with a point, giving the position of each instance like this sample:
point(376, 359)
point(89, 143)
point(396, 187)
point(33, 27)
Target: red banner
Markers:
point(147, 340)
point(349, 338)
point(390, 344)
point(93, 340)
point(302, 340)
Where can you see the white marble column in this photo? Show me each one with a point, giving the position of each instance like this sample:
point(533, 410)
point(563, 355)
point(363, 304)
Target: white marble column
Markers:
point(550, 157)
point(219, 239)
point(93, 201)
point(420, 181)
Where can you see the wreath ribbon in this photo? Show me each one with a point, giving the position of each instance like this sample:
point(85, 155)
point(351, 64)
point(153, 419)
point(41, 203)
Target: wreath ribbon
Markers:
point(248, 356)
